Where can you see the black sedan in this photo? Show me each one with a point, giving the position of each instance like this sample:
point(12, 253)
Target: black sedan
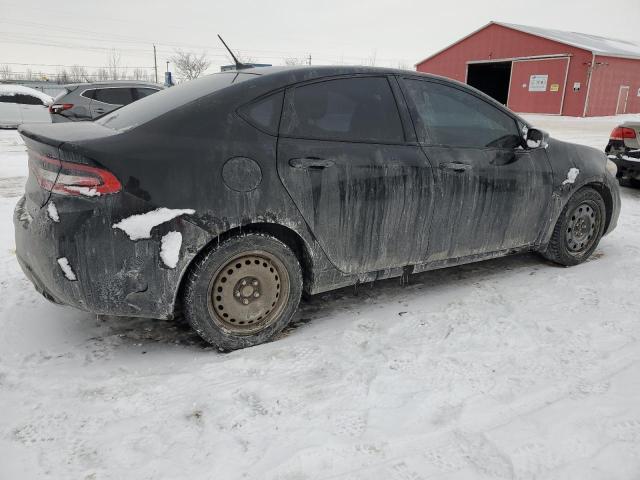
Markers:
point(228, 196)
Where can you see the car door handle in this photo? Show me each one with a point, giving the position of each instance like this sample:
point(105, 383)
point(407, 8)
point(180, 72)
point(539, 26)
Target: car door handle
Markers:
point(456, 167)
point(311, 162)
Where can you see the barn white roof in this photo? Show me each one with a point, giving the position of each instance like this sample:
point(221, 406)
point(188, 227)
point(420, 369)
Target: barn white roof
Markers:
point(592, 43)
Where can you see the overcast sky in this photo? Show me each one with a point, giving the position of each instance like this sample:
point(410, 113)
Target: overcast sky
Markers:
point(392, 33)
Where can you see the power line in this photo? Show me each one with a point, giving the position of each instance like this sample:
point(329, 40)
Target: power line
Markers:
point(68, 66)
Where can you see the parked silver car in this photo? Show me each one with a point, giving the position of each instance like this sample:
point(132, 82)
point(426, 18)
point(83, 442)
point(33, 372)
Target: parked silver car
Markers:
point(624, 150)
point(19, 104)
point(88, 101)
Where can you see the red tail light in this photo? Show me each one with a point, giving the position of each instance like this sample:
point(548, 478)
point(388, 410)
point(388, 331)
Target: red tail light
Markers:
point(72, 179)
point(620, 133)
point(60, 107)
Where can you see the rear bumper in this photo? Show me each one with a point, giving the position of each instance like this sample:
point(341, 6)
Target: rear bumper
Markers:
point(114, 275)
point(627, 161)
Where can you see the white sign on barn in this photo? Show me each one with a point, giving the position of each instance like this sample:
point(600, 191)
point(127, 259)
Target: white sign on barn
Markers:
point(538, 83)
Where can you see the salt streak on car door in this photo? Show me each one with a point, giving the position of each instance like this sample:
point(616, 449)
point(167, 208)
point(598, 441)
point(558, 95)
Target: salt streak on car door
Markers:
point(363, 189)
point(490, 193)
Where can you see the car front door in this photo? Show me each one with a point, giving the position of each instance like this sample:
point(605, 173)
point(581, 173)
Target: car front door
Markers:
point(33, 109)
point(491, 193)
point(359, 179)
point(10, 115)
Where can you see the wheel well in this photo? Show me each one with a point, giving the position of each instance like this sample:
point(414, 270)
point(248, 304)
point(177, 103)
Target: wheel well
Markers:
point(605, 193)
point(287, 236)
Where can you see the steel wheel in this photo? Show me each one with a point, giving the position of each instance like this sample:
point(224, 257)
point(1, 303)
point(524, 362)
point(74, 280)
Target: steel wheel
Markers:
point(582, 229)
point(249, 292)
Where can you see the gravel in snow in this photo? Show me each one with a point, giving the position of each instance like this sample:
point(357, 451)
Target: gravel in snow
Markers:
point(139, 226)
point(170, 248)
point(505, 369)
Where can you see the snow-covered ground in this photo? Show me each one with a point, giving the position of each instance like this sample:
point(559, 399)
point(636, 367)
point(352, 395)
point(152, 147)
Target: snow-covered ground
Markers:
point(512, 368)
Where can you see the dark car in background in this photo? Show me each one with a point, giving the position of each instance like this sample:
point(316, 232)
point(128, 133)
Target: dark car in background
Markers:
point(624, 150)
point(88, 101)
point(228, 196)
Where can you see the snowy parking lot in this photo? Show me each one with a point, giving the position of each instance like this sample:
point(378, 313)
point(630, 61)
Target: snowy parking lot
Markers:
point(507, 369)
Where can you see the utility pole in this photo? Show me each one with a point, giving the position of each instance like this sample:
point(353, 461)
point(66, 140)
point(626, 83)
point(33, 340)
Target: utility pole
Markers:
point(309, 59)
point(155, 62)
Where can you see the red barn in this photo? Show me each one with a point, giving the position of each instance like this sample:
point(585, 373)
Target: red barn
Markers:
point(537, 70)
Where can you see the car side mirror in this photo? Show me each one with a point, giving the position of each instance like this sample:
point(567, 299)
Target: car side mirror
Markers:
point(537, 138)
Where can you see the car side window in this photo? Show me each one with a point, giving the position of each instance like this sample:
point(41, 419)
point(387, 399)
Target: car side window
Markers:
point(7, 99)
point(144, 92)
point(114, 96)
point(23, 99)
point(358, 109)
point(88, 93)
point(445, 115)
point(264, 113)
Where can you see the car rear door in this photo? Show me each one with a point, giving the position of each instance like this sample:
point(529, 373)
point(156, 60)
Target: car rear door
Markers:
point(491, 194)
point(362, 185)
point(107, 99)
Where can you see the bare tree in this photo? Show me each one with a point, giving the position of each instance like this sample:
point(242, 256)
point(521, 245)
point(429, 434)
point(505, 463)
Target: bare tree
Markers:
point(5, 72)
point(78, 74)
point(102, 74)
point(371, 61)
point(113, 65)
point(295, 61)
point(140, 74)
point(243, 58)
point(189, 65)
point(403, 65)
point(63, 76)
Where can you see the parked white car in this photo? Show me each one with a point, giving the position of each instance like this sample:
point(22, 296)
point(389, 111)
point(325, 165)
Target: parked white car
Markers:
point(19, 104)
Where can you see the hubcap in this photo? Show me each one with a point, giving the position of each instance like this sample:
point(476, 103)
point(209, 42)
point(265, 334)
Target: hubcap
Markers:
point(249, 292)
point(582, 228)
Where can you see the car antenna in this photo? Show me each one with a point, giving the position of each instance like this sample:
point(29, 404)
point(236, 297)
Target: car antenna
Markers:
point(239, 65)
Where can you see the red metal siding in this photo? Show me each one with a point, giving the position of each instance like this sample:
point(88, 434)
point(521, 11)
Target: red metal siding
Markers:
point(549, 101)
point(496, 42)
point(606, 82)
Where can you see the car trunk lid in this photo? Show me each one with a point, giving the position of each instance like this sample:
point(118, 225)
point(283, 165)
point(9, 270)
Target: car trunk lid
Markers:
point(55, 166)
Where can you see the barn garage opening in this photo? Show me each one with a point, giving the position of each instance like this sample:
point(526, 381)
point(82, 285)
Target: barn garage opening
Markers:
point(491, 78)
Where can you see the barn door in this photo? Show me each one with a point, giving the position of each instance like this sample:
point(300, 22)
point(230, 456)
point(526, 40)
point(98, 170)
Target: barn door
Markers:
point(623, 96)
point(537, 85)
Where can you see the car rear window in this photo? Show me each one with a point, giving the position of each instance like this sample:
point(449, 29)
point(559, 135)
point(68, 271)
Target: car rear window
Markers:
point(265, 112)
point(166, 100)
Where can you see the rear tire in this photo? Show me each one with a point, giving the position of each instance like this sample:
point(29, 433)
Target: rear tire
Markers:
point(243, 292)
point(579, 228)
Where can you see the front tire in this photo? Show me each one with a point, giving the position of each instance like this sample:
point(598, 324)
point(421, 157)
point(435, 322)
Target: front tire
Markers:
point(579, 228)
point(243, 292)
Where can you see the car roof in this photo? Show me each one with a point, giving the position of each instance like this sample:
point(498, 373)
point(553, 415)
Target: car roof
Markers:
point(312, 71)
point(279, 77)
point(113, 83)
point(14, 89)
